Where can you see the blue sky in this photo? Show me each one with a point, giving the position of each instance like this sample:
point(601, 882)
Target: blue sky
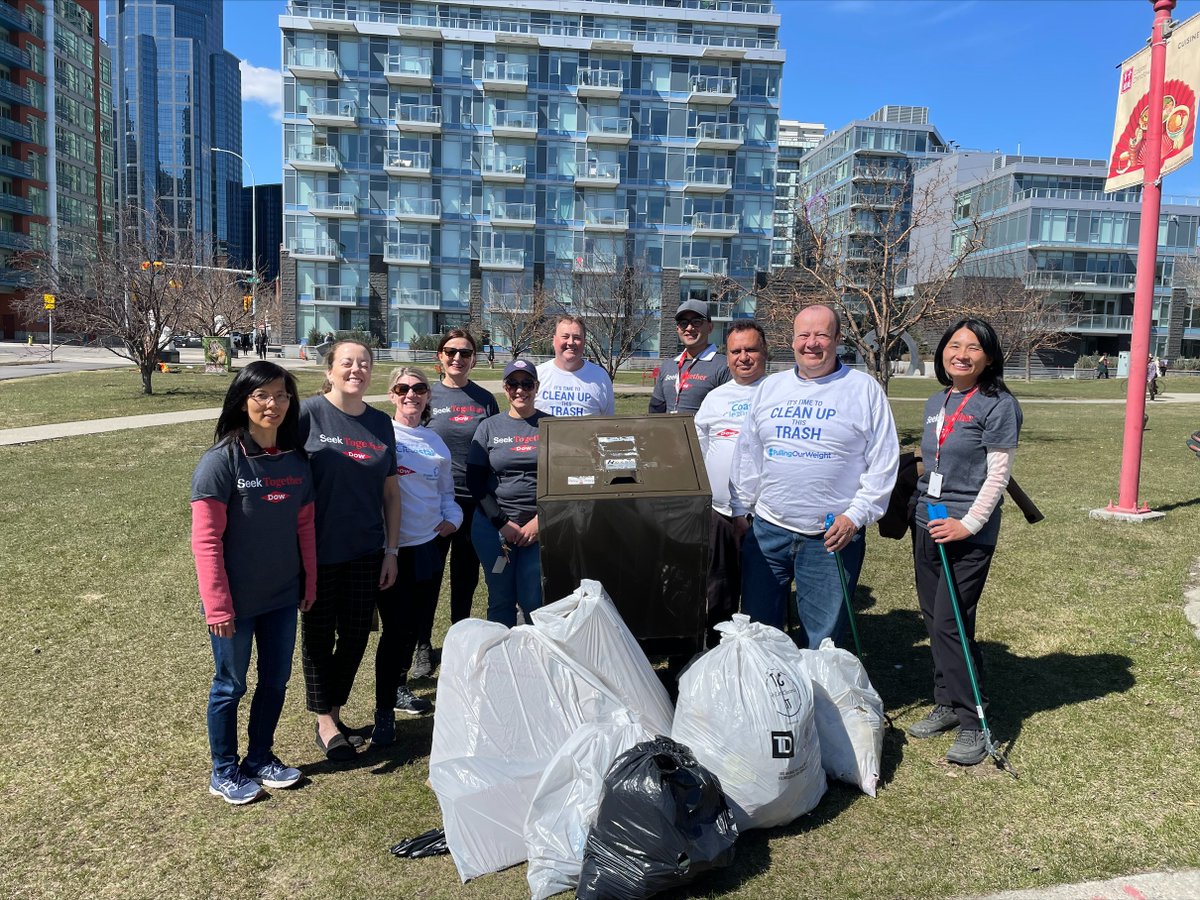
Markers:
point(1035, 75)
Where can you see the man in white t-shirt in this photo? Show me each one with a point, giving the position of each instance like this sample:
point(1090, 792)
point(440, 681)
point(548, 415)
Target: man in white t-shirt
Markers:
point(569, 385)
point(718, 424)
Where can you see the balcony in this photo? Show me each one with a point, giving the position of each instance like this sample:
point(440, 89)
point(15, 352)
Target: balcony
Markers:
point(606, 219)
point(716, 224)
point(332, 112)
point(508, 169)
point(598, 174)
point(11, 203)
point(15, 168)
point(333, 206)
point(310, 63)
point(609, 130)
point(499, 302)
point(308, 158)
point(314, 249)
point(1090, 282)
point(1098, 323)
point(503, 76)
point(719, 136)
point(417, 209)
point(15, 93)
point(14, 55)
point(515, 123)
point(413, 71)
point(716, 89)
point(595, 264)
point(335, 294)
point(421, 119)
point(14, 240)
point(403, 298)
point(14, 130)
point(522, 215)
point(396, 254)
point(504, 258)
point(703, 267)
point(11, 19)
point(408, 163)
point(709, 180)
point(605, 84)
point(10, 277)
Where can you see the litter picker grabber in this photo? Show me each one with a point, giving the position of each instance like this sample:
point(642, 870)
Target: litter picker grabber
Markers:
point(938, 511)
point(841, 566)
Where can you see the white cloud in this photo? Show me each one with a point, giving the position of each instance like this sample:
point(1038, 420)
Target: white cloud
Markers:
point(265, 86)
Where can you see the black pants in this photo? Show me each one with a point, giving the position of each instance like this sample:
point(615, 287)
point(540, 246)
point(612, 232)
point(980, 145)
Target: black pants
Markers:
point(970, 563)
point(334, 631)
point(724, 574)
point(464, 569)
point(405, 612)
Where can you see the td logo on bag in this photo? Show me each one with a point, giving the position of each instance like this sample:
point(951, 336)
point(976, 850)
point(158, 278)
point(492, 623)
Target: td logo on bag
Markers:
point(784, 694)
point(783, 745)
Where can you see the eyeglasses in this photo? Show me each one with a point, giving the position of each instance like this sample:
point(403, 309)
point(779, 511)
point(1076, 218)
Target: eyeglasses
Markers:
point(520, 384)
point(464, 352)
point(684, 324)
point(419, 389)
point(262, 398)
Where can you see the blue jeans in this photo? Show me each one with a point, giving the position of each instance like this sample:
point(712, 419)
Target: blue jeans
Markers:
point(275, 634)
point(520, 584)
point(772, 557)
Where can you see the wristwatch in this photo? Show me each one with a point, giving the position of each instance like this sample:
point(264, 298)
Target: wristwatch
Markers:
point(391, 551)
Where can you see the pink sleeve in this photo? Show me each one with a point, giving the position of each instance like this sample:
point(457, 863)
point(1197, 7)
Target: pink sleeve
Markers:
point(306, 532)
point(208, 546)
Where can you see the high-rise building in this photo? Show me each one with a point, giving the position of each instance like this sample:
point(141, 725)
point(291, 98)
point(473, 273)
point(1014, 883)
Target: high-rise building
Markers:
point(441, 157)
point(267, 221)
point(56, 187)
point(179, 94)
point(1049, 225)
point(795, 140)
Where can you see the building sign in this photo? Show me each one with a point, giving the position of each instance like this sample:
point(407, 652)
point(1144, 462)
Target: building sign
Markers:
point(1177, 118)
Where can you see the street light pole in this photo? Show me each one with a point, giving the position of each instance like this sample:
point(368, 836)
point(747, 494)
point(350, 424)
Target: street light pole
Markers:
point(253, 234)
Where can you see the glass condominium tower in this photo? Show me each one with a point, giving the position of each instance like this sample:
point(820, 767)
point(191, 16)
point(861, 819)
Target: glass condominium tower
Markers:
point(440, 155)
point(178, 94)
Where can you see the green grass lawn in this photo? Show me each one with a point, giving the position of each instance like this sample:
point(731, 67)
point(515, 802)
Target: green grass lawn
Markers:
point(1092, 672)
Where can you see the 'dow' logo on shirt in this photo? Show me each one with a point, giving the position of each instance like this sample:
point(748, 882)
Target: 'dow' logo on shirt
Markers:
point(727, 432)
point(357, 454)
point(404, 470)
point(276, 497)
point(525, 448)
point(460, 418)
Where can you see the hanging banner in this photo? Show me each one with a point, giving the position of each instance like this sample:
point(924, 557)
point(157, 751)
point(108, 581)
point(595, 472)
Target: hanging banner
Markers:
point(1177, 118)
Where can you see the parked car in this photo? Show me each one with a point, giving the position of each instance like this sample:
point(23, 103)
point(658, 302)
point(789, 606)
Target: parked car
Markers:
point(186, 340)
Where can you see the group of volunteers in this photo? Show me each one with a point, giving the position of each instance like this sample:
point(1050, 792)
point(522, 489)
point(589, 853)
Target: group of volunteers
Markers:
point(330, 506)
point(801, 461)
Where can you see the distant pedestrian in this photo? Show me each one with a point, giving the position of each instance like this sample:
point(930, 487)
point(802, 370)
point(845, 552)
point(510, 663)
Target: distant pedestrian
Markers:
point(1102, 367)
point(491, 356)
point(1152, 377)
point(237, 524)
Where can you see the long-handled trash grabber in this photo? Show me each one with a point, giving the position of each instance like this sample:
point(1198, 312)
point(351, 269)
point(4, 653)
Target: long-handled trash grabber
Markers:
point(938, 511)
point(841, 567)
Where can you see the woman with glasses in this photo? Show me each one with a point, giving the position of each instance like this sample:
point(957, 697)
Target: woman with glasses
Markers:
point(427, 498)
point(255, 549)
point(353, 453)
point(457, 406)
point(502, 476)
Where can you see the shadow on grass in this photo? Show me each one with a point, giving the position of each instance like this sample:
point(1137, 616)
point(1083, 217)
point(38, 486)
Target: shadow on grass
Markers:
point(1182, 504)
point(414, 737)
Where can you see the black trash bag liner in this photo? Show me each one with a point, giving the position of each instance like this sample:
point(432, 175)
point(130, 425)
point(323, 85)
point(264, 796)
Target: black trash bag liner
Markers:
point(662, 820)
point(428, 843)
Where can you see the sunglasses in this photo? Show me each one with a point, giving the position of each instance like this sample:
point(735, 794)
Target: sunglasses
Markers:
point(520, 384)
point(464, 352)
point(419, 389)
point(689, 323)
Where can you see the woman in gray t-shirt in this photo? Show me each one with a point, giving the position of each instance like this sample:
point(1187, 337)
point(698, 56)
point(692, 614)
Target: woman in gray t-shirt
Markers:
point(968, 444)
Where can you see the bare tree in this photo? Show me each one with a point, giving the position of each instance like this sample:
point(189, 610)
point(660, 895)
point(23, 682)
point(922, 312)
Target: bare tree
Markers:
point(853, 254)
point(520, 316)
point(127, 298)
point(218, 300)
point(616, 299)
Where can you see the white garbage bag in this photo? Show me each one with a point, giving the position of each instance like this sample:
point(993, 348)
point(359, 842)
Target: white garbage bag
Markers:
point(507, 700)
point(745, 709)
point(850, 719)
point(563, 808)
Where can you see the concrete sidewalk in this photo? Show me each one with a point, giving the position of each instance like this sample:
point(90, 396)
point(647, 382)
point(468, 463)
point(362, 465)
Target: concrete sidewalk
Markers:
point(1181, 885)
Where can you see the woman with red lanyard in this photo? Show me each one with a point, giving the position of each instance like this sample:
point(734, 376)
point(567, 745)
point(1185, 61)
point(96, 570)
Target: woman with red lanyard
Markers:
point(968, 444)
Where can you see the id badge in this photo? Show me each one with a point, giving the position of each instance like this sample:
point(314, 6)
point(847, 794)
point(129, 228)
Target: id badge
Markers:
point(935, 485)
point(501, 560)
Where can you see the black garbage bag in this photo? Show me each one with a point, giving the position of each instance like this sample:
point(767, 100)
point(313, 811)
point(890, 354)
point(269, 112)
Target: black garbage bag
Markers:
point(662, 820)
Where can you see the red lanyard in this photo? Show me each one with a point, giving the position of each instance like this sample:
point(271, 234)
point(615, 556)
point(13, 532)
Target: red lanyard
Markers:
point(681, 382)
point(949, 423)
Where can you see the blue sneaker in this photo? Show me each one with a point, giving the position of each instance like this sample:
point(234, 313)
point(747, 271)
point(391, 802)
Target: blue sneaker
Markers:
point(272, 773)
point(230, 784)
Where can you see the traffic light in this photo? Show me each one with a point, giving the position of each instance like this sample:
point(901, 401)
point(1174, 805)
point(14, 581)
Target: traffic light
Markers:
point(247, 302)
point(145, 265)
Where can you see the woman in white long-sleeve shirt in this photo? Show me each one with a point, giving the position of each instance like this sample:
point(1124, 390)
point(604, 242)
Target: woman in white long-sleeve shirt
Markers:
point(406, 610)
point(968, 444)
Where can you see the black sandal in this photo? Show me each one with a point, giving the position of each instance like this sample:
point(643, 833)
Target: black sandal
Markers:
point(338, 749)
point(354, 740)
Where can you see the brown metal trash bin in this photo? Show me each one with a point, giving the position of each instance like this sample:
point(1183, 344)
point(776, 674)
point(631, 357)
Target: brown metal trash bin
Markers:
point(625, 500)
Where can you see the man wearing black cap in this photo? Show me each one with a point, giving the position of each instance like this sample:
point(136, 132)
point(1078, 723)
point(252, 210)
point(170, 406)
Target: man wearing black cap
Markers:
point(682, 383)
